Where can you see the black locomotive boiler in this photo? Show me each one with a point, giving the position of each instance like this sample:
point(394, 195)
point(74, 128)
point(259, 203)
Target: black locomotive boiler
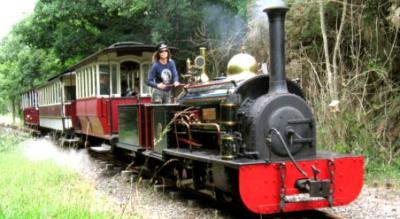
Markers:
point(246, 137)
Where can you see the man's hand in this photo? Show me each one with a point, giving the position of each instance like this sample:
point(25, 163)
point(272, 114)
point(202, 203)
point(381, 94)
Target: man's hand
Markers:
point(161, 86)
point(176, 83)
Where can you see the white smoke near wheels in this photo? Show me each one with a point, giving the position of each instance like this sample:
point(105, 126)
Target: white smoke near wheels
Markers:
point(44, 149)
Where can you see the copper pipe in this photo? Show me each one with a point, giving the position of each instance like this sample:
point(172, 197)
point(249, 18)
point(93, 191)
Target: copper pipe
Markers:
point(176, 135)
point(189, 132)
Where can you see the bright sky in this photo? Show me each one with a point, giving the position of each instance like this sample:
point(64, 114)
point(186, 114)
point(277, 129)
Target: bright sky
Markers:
point(12, 11)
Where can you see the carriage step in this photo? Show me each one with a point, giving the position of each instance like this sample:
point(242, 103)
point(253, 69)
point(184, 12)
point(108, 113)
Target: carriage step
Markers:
point(69, 140)
point(103, 148)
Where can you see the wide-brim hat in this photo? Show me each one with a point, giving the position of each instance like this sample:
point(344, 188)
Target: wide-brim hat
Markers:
point(162, 46)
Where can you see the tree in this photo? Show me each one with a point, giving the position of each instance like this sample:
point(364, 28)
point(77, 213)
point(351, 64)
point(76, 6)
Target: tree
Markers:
point(332, 66)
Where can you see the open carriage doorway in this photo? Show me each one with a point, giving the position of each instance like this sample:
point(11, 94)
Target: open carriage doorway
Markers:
point(130, 78)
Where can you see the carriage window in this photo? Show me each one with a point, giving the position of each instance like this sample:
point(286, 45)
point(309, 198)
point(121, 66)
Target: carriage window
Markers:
point(145, 70)
point(114, 79)
point(58, 92)
point(69, 93)
point(28, 99)
point(47, 92)
point(129, 78)
point(55, 89)
point(55, 93)
point(51, 93)
point(48, 95)
point(77, 84)
point(104, 73)
point(36, 101)
point(88, 82)
point(80, 84)
point(83, 83)
point(33, 101)
point(92, 90)
point(94, 79)
point(92, 82)
point(52, 96)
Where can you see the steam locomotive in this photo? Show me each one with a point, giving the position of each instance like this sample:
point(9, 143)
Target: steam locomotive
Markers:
point(245, 137)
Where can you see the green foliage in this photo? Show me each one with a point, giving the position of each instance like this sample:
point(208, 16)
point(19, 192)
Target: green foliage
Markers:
point(62, 25)
point(22, 68)
point(303, 30)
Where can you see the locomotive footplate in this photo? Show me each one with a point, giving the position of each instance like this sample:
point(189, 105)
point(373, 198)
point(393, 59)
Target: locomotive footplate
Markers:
point(209, 156)
point(213, 156)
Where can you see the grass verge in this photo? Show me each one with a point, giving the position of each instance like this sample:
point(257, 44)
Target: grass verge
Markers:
point(41, 189)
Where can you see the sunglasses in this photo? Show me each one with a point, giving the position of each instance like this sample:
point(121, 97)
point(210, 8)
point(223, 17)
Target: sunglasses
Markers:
point(163, 51)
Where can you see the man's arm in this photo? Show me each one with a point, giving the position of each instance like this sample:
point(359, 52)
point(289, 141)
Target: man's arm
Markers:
point(151, 78)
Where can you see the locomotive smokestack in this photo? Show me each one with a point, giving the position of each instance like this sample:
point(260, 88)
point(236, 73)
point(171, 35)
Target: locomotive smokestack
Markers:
point(276, 11)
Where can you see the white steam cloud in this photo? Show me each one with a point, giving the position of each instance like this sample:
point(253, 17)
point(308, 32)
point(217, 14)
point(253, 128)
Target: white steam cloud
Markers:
point(224, 23)
point(44, 149)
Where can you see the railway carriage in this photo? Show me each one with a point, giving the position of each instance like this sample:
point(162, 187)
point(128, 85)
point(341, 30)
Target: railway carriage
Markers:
point(30, 110)
point(57, 103)
point(111, 77)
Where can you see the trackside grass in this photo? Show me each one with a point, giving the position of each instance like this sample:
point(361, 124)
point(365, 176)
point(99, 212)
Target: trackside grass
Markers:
point(41, 189)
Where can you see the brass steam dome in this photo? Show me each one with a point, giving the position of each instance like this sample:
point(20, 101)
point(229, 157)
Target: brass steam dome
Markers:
point(241, 66)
